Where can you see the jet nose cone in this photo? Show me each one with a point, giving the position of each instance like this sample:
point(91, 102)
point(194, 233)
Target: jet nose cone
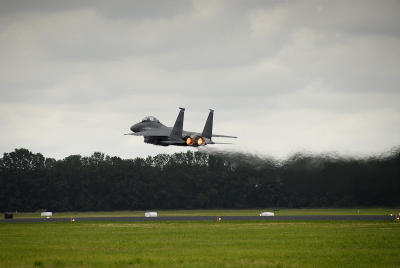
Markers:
point(135, 128)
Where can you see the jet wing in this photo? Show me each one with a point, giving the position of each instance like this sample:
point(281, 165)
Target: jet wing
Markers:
point(173, 142)
point(152, 133)
point(189, 133)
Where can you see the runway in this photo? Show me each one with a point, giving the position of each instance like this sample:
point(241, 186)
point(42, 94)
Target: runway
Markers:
point(208, 218)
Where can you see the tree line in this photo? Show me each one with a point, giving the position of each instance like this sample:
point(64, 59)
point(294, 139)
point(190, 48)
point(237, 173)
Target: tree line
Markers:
point(192, 180)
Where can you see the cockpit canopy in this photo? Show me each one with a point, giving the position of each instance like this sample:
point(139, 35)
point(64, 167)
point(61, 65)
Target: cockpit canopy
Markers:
point(150, 119)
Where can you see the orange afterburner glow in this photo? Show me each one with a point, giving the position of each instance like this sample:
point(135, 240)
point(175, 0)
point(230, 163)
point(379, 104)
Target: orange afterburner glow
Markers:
point(200, 141)
point(189, 141)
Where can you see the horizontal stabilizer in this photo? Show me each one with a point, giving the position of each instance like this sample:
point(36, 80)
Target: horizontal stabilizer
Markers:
point(223, 136)
point(212, 142)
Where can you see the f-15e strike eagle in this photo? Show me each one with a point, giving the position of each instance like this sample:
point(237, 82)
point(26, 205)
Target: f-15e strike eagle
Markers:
point(156, 133)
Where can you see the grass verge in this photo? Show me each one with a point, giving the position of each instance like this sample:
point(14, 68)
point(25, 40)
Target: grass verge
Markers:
point(201, 244)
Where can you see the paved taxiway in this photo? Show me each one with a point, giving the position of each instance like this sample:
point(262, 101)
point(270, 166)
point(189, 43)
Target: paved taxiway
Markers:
point(208, 218)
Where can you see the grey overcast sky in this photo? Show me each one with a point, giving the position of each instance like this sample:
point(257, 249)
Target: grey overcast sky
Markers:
point(284, 76)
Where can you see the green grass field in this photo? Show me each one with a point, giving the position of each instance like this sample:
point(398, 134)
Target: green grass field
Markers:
point(201, 244)
point(222, 212)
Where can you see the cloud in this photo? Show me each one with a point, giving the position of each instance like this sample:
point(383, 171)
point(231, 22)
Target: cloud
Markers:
point(116, 9)
point(283, 76)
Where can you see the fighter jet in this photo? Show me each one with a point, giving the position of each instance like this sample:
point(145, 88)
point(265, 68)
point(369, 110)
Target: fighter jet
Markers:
point(154, 132)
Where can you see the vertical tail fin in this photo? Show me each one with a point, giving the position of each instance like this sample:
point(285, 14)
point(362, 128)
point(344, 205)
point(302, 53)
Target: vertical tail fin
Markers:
point(176, 131)
point(207, 131)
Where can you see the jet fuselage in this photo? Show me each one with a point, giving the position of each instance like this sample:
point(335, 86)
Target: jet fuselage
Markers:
point(154, 132)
